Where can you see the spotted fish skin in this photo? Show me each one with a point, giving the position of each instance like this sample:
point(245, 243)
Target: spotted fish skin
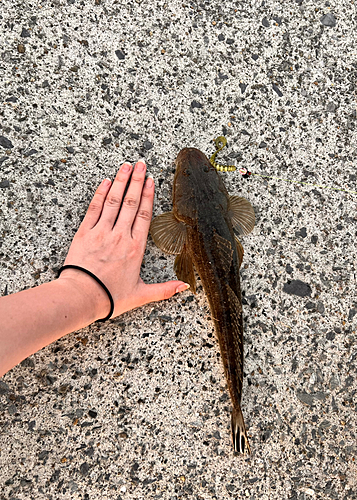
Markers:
point(203, 209)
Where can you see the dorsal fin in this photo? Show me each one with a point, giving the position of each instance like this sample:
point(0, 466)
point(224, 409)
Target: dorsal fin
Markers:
point(225, 252)
point(240, 250)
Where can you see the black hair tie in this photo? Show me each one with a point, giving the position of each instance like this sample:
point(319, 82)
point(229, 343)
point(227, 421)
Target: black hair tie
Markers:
point(70, 266)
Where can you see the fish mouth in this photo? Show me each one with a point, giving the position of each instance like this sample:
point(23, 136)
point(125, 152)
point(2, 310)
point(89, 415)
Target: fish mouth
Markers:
point(190, 154)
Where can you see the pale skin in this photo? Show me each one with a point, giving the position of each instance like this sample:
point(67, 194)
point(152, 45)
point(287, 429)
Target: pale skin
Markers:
point(110, 243)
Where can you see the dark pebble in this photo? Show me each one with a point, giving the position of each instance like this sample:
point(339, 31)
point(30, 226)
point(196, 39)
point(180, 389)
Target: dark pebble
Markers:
point(310, 398)
point(196, 104)
point(330, 335)
point(310, 305)
point(43, 455)
point(262, 145)
point(148, 481)
point(297, 287)
point(165, 318)
point(242, 87)
point(89, 452)
point(265, 22)
point(331, 107)
point(320, 307)
point(25, 33)
point(12, 409)
point(5, 143)
point(4, 184)
point(107, 140)
point(289, 269)
point(352, 314)
point(221, 37)
point(86, 424)
point(221, 76)
point(30, 152)
point(11, 99)
point(28, 363)
point(328, 20)
point(120, 54)
point(79, 108)
point(277, 20)
point(303, 232)
point(4, 388)
point(230, 41)
point(3, 158)
point(92, 413)
point(277, 90)
point(84, 468)
point(70, 149)
point(255, 56)
point(314, 239)
point(148, 145)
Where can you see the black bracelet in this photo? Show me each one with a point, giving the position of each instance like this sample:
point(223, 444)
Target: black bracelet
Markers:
point(70, 266)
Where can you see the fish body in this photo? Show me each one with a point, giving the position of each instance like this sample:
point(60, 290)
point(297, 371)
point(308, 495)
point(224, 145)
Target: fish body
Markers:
point(200, 230)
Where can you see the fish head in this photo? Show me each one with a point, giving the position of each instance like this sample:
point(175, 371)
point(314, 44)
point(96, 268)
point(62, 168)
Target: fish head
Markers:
point(194, 176)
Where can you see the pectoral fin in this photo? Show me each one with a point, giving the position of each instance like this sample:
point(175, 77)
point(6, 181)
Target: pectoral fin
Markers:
point(242, 214)
point(184, 269)
point(240, 250)
point(168, 233)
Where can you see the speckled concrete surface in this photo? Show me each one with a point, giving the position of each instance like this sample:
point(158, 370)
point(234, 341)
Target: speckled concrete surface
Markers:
point(137, 407)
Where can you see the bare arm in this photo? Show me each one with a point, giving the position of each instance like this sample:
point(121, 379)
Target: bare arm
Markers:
point(110, 243)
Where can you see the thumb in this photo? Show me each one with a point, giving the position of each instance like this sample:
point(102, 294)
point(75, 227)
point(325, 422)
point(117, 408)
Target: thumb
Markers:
point(162, 291)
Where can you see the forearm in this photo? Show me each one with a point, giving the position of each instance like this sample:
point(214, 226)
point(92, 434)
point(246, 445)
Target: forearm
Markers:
point(32, 319)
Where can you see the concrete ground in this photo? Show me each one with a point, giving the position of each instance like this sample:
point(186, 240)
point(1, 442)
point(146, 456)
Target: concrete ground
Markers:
point(137, 407)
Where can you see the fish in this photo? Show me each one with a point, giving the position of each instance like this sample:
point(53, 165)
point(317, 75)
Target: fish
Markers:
point(200, 231)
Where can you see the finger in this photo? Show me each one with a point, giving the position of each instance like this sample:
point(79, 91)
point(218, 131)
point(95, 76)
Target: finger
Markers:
point(161, 291)
point(133, 196)
point(115, 196)
point(96, 205)
point(143, 217)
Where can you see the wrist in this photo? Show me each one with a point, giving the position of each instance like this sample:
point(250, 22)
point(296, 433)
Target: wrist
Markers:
point(94, 301)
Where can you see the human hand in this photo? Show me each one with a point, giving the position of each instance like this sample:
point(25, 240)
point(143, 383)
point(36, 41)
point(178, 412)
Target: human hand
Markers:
point(111, 241)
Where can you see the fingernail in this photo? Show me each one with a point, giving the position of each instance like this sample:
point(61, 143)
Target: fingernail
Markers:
point(126, 167)
point(149, 181)
point(106, 182)
point(140, 166)
point(182, 288)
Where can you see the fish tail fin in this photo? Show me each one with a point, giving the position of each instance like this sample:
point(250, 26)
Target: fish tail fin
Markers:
point(239, 433)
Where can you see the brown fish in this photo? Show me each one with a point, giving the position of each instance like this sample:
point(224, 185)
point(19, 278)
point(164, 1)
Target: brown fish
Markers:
point(199, 231)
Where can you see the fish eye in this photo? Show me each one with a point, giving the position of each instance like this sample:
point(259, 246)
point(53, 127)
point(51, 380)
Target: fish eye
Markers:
point(187, 171)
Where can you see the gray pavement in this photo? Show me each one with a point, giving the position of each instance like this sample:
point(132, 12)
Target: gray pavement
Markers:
point(137, 407)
